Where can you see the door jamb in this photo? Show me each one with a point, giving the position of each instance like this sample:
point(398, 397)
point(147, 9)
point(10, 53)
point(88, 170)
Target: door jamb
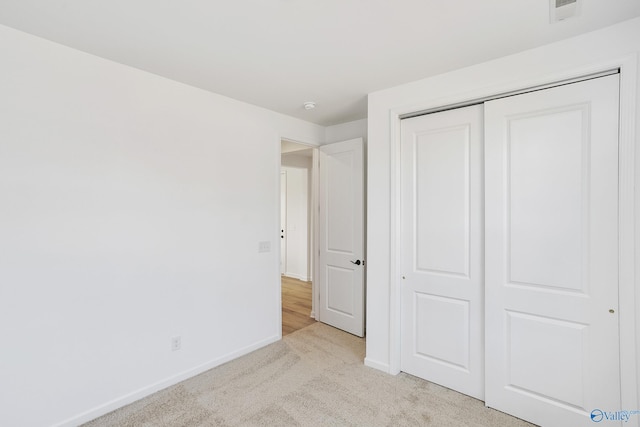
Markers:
point(629, 298)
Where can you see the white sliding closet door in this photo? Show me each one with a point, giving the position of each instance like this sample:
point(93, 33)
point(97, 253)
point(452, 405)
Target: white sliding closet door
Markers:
point(442, 290)
point(552, 341)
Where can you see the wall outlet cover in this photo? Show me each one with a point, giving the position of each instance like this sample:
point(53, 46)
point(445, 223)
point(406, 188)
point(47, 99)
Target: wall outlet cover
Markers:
point(176, 343)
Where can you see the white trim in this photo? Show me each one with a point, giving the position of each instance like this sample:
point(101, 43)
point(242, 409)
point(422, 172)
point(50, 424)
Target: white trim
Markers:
point(377, 365)
point(161, 385)
point(395, 243)
point(315, 219)
point(628, 295)
point(277, 234)
point(629, 300)
point(297, 277)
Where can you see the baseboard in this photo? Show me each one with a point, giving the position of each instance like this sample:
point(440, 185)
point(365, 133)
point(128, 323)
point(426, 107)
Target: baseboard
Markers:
point(298, 276)
point(160, 385)
point(377, 365)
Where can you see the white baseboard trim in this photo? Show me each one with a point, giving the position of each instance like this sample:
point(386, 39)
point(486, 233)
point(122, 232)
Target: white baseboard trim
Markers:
point(298, 276)
point(384, 367)
point(160, 385)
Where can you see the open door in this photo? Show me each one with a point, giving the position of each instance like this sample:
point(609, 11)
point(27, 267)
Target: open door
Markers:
point(341, 236)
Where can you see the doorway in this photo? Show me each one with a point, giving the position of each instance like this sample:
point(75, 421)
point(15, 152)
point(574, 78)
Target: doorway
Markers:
point(296, 235)
point(333, 255)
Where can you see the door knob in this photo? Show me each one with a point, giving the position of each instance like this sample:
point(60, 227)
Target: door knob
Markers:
point(357, 262)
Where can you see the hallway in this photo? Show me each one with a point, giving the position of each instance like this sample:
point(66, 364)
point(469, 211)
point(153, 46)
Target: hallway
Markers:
point(296, 305)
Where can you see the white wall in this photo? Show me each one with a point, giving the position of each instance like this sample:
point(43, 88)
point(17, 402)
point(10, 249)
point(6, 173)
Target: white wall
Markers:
point(582, 55)
point(298, 230)
point(130, 212)
point(346, 131)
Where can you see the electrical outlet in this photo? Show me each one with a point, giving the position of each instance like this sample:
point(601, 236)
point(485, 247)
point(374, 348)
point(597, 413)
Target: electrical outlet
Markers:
point(264, 247)
point(176, 343)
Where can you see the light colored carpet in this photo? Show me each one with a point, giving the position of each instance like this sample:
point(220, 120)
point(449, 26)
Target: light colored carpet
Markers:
point(313, 377)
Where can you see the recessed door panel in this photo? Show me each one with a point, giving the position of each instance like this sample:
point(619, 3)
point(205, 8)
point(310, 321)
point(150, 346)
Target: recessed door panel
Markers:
point(448, 346)
point(442, 200)
point(547, 189)
point(559, 372)
point(340, 286)
point(339, 202)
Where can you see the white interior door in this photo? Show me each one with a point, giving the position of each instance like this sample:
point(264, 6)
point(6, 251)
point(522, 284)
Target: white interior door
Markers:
point(552, 341)
point(442, 268)
point(296, 229)
point(341, 236)
point(283, 222)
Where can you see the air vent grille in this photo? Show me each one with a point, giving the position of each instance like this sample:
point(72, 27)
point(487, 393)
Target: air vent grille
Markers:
point(559, 10)
point(560, 3)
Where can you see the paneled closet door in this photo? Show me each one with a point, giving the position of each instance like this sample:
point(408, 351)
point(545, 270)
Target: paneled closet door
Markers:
point(551, 172)
point(442, 267)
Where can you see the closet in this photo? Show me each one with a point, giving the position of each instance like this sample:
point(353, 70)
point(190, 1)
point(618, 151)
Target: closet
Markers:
point(509, 228)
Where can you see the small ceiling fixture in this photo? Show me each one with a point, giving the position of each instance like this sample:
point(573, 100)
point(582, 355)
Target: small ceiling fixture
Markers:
point(309, 105)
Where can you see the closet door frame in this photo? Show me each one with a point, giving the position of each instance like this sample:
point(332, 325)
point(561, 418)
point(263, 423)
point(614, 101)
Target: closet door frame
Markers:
point(629, 322)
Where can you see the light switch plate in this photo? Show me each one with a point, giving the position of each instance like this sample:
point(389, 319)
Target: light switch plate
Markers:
point(264, 247)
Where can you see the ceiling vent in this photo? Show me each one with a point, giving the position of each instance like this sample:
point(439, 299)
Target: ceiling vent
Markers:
point(559, 10)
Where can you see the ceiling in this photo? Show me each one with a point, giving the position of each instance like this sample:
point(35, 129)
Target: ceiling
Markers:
point(277, 54)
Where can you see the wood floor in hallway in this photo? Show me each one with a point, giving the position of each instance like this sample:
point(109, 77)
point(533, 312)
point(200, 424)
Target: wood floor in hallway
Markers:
point(296, 305)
